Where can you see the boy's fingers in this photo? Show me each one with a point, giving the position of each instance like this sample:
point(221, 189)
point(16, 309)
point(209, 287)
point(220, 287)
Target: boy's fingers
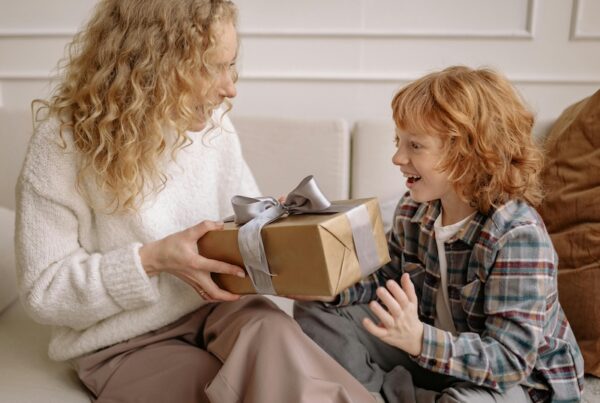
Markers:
point(409, 288)
point(398, 293)
point(374, 329)
point(390, 301)
point(386, 319)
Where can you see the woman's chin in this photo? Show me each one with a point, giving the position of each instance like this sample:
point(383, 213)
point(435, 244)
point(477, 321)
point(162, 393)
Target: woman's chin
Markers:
point(197, 126)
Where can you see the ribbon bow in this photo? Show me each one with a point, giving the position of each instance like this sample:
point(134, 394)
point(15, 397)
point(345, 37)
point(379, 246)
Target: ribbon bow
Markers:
point(254, 213)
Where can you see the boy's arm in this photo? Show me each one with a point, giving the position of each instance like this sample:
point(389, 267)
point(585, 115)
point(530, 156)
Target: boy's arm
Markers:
point(521, 280)
point(364, 291)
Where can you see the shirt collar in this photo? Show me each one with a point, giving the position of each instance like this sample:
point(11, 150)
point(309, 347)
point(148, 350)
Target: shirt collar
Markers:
point(428, 212)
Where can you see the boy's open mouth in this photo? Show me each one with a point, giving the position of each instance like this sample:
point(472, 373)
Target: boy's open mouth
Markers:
point(413, 179)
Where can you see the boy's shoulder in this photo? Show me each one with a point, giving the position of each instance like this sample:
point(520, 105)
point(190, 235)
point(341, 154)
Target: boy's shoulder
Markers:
point(514, 213)
point(511, 217)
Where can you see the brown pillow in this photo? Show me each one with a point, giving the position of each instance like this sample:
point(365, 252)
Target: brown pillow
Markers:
point(571, 211)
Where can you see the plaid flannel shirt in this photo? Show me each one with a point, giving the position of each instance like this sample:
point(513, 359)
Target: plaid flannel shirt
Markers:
point(502, 286)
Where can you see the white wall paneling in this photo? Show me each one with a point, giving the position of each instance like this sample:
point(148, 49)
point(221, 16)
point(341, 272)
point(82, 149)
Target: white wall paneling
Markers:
point(510, 19)
point(346, 58)
point(584, 22)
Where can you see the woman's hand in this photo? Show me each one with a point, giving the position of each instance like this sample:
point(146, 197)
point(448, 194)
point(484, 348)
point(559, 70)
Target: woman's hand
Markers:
point(178, 255)
point(400, 325)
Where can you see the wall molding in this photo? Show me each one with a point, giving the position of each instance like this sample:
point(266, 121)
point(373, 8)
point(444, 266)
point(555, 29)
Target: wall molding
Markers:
point(575, 33)
point(276, 76)
point(527, 33)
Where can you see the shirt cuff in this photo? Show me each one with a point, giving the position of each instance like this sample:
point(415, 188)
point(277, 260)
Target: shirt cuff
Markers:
point(436, 350)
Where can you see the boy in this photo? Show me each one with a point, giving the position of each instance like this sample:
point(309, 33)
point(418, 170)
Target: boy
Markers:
point(476, 315)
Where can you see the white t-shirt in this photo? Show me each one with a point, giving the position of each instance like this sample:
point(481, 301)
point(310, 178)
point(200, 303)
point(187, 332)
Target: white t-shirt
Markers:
point(443, 317)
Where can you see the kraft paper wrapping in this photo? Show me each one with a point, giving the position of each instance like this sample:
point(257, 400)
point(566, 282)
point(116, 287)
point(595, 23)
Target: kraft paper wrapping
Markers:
point(308, 254)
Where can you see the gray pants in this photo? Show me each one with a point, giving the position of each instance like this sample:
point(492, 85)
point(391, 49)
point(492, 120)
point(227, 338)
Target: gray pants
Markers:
point(383, 368)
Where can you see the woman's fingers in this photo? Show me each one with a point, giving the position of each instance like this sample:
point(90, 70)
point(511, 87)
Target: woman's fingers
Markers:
point(199, 230)
point(216, 266)
point(216, 293)
point(384, 316)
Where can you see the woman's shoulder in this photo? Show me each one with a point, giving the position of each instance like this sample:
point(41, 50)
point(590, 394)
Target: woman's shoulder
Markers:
point(50, 156)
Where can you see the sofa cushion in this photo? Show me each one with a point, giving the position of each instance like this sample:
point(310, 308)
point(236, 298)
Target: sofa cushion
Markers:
point(280, 152)
point(27, 374)
point(8, 284)
point(572, 215)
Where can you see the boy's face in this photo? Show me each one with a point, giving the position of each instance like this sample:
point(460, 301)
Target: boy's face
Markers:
point(418, 157)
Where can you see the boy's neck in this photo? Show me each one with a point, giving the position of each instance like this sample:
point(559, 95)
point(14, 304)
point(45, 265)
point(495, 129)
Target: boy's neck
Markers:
point(455, 210)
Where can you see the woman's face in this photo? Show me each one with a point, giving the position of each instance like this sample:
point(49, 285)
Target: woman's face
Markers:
point(225, 61)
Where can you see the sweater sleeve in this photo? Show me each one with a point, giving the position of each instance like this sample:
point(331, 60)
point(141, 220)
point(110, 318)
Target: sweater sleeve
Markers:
point(63, 284)
point(60, 282)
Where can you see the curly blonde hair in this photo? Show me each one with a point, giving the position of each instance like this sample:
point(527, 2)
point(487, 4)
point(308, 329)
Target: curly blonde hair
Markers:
point(138, 67)
point(489, 152)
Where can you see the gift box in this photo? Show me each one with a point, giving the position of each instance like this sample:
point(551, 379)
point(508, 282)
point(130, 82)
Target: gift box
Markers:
point(307, 254)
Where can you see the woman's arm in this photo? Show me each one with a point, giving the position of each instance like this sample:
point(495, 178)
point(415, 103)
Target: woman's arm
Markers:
point(60, 282)
point(63, 284)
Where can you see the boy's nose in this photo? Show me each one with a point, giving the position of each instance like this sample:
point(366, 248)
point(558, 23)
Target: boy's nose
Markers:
point(399, 157)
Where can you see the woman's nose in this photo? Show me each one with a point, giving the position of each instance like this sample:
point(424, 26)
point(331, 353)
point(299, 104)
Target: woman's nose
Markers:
point(227, 88)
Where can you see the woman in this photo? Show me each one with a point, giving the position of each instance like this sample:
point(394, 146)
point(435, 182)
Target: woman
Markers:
point(131, 164)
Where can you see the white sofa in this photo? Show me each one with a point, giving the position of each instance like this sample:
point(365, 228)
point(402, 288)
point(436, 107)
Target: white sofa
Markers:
point(347, 160)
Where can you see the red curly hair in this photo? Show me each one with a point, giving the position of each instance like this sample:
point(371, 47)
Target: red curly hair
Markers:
point(489, 151)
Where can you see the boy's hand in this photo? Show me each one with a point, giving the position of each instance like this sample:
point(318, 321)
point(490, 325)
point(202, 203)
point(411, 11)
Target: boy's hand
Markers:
point(400, 325)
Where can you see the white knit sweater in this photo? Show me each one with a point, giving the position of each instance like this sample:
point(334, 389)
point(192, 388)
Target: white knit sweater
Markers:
point(79, 269)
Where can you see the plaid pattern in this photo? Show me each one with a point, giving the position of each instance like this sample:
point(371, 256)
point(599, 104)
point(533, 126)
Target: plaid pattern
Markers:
point(503, 296)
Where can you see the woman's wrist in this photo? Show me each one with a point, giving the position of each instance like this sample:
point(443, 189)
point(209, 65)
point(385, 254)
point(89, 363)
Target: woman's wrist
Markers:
point(148, 258)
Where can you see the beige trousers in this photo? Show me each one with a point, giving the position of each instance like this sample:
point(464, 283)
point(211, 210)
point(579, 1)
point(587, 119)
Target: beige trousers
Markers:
point(243, 351)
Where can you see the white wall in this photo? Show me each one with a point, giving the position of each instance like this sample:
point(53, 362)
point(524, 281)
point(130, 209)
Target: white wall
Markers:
point(345, 58)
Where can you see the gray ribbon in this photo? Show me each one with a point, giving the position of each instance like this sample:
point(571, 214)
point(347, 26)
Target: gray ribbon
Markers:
point(254, 213)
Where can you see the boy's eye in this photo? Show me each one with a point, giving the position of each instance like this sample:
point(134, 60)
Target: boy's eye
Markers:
point(414, 145)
